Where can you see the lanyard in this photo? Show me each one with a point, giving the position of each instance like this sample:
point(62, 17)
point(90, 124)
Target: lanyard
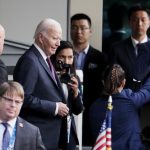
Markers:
point(12, 139)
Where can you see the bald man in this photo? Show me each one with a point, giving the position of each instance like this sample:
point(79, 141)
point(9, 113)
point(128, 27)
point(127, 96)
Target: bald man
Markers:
point(3, 69)
point(44, 104)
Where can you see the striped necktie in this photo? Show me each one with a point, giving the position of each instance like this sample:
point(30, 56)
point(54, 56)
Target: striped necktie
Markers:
point(6, 137)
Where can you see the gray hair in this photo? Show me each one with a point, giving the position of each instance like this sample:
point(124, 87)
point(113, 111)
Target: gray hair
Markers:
point(2, 29)
point(45, 25)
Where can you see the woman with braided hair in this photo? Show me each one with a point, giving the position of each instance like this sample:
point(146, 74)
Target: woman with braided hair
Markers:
point(125, 126)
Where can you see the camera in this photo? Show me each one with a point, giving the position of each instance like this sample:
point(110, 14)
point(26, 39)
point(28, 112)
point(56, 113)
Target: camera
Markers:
point(65, 75)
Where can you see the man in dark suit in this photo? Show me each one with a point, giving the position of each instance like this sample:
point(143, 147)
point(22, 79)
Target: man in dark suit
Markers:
point(20, 134)
point(45, 104)
point(91, 61)
point(134, 59)
point(3, 69)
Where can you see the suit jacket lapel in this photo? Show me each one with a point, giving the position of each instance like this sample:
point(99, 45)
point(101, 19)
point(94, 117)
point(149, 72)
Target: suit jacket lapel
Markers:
point(19, 133)
point(86, 63)
point(44, 65)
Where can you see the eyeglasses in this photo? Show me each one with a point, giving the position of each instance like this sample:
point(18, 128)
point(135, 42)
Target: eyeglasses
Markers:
point(10, 100)
point(82, 29)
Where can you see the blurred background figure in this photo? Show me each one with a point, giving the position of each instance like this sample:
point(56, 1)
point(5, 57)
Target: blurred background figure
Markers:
point(64, 63)
point(16, 133)
point(3, 69)
point(117, 21)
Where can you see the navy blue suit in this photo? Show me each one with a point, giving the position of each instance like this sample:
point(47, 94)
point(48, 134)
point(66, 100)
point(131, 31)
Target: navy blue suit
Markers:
point(41, 95)
point(125, 119)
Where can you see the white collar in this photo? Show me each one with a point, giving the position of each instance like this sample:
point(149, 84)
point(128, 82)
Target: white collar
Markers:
point(84, 50)
point(40, 51)
point(135, 42)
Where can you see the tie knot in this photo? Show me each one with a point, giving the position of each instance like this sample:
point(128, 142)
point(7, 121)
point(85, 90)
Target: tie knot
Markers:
point(137, 45)
point(5, 124)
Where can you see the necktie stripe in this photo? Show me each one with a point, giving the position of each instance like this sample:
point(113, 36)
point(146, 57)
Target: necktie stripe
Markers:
point(6, 136)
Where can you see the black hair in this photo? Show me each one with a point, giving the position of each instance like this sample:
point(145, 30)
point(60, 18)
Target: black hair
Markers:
point(137, 7)
point(80, 16)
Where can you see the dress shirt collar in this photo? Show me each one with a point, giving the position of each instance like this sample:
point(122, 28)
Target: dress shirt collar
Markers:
point(40, 51)
point(11, 122)
point(135, 42)
point(85, 50)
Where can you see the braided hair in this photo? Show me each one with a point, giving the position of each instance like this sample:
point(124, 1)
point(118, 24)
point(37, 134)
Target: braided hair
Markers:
point(113, 77)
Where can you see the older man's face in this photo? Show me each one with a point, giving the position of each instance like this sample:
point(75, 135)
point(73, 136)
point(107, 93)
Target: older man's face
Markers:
point(51, 41)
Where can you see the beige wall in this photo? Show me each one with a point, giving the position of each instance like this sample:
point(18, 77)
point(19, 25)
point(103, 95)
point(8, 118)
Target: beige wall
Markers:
point(94, 9)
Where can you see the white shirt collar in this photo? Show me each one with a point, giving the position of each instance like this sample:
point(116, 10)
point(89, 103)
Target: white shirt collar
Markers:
point(40, 51)
point(11, 122)
point(86, 49)
point(135, 42)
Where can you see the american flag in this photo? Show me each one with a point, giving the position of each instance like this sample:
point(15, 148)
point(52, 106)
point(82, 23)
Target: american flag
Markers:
point(103, 141)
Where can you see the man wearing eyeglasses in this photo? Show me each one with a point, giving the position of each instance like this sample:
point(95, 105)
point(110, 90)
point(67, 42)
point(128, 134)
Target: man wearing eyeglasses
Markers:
point(91, 61)
point(16, 133)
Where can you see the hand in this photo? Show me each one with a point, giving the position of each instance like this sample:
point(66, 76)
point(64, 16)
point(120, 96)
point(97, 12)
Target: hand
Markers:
point(63, 110)
point(74, 86)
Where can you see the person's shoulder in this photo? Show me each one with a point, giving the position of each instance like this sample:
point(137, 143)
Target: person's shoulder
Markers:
point(2, 64)
point(94, 50)
point(29, 54)
point(121, 43)
point(24, 123)
point(127, 93)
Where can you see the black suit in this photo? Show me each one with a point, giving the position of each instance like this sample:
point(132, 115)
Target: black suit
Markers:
point(136, 67)
point(41, 95)
point(28, 137)
point(113, 38)
point(3, 72)
point(95, 63)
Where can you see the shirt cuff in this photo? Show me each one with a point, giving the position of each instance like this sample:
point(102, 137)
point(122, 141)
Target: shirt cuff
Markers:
point(56, 111)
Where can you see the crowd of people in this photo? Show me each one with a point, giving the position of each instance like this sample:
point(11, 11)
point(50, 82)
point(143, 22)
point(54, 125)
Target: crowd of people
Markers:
point(37, 108)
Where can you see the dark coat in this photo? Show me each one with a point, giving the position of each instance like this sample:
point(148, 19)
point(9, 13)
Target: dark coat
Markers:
point(125, 118)
point(41, 95)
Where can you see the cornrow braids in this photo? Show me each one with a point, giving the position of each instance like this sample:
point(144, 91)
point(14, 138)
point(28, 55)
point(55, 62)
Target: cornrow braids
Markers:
point(112, 79)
